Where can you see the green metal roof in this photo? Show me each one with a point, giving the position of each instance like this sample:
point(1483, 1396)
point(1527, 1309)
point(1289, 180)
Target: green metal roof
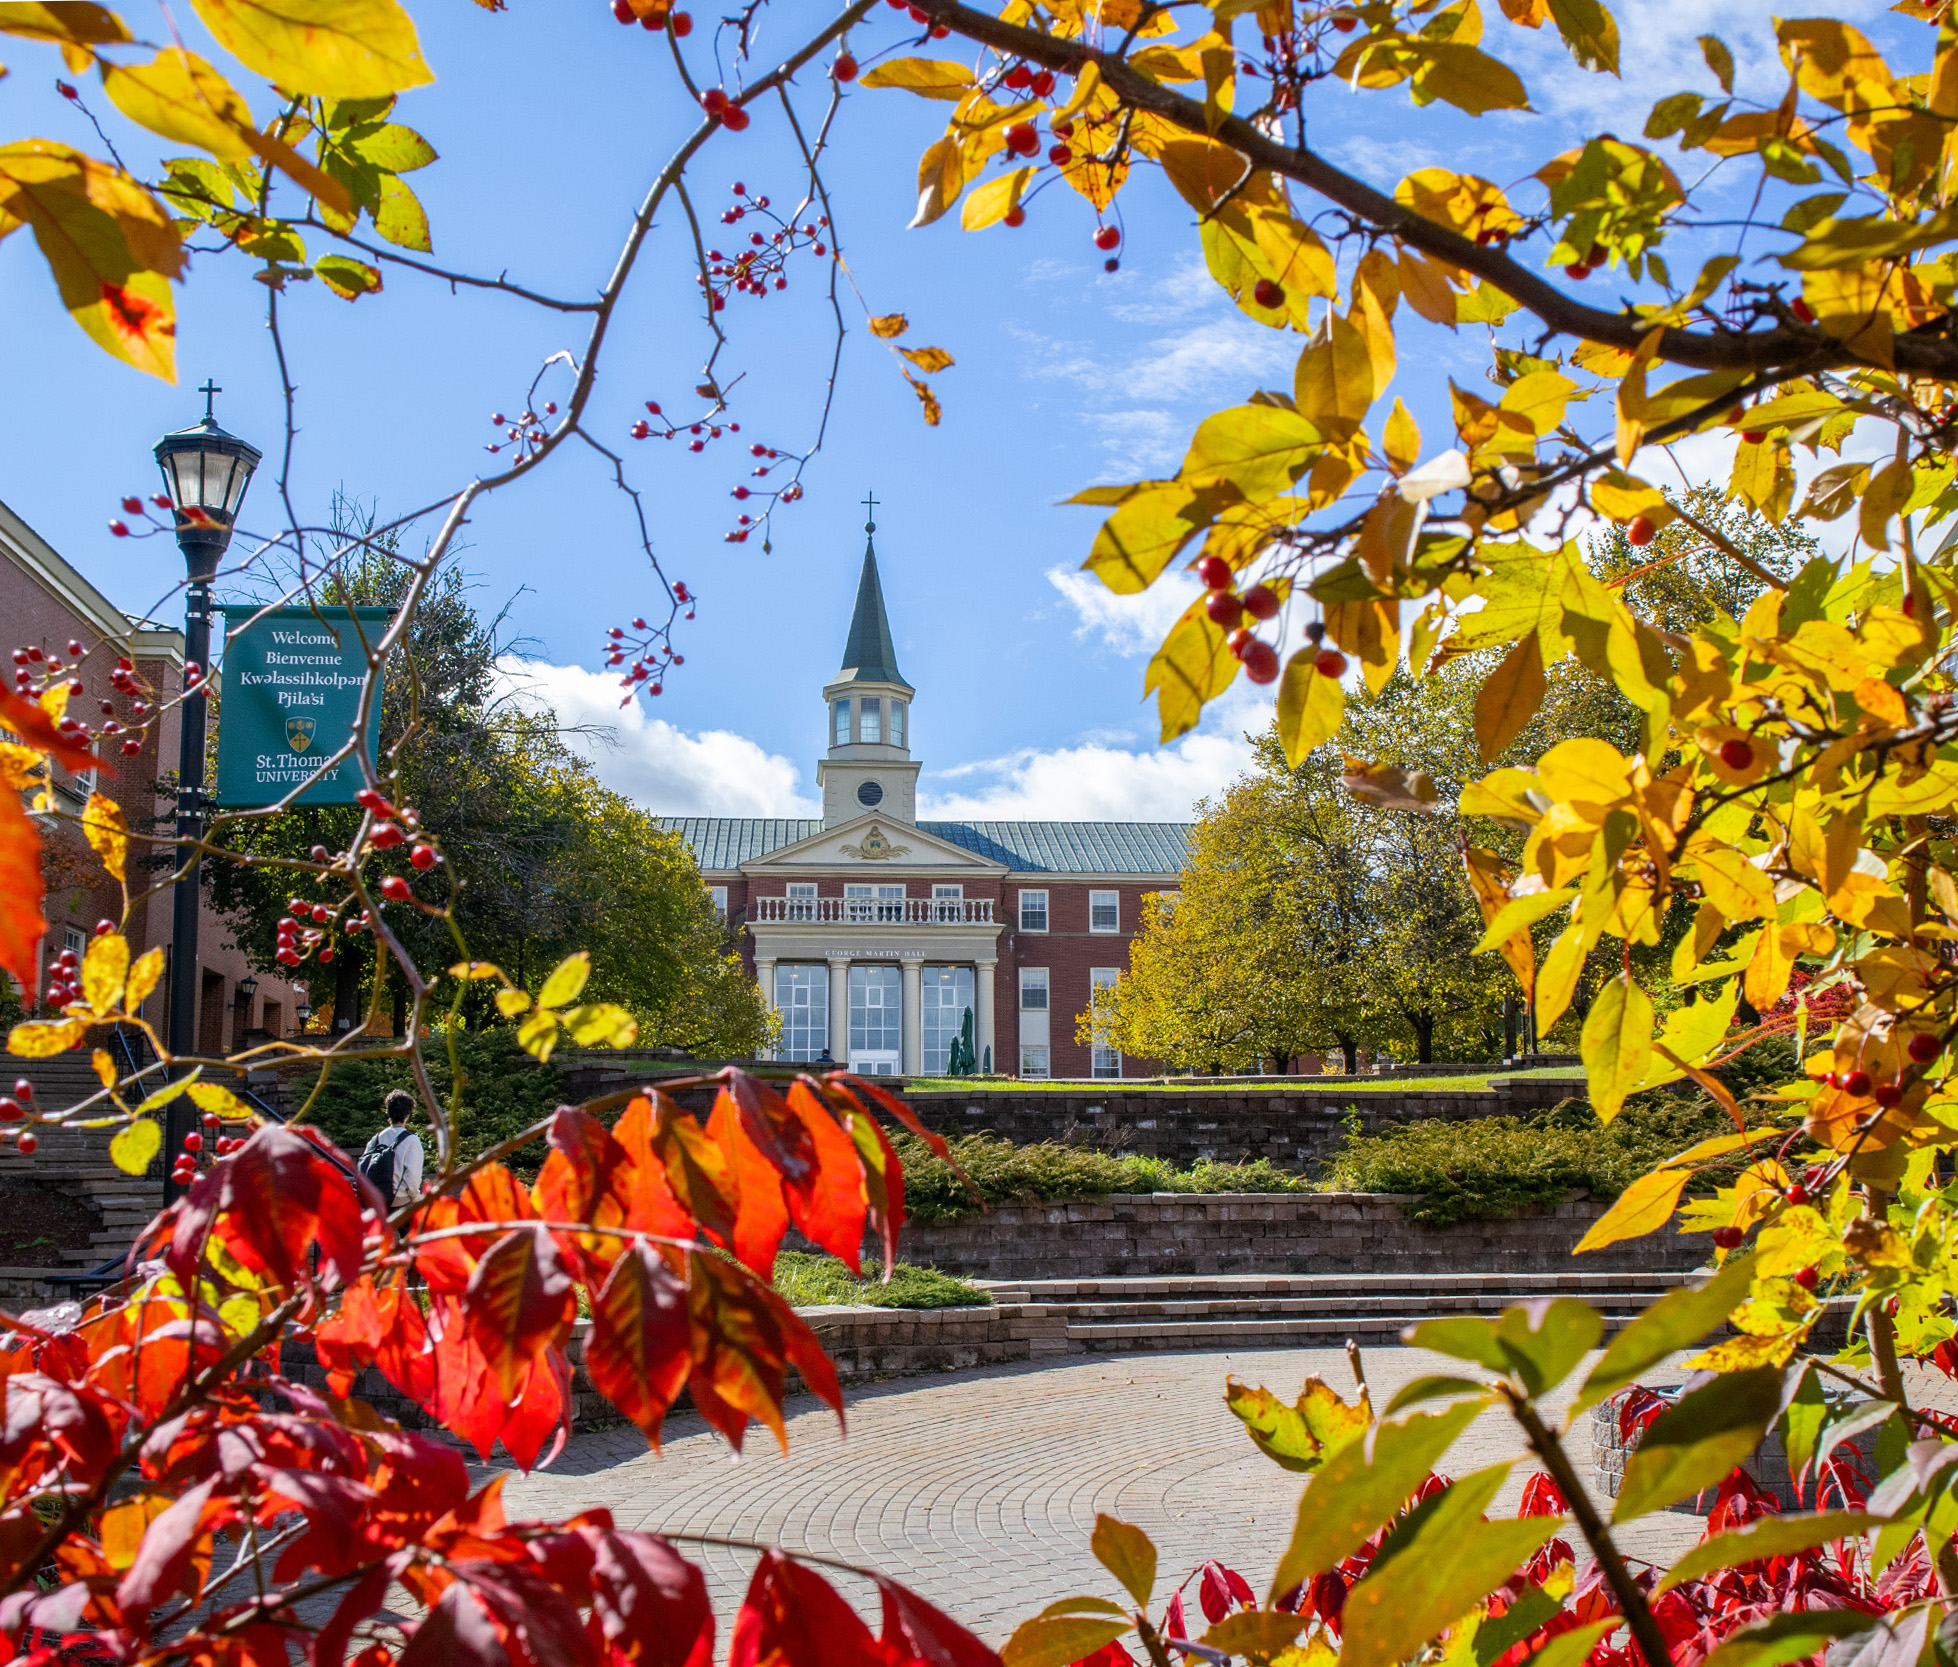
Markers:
point(870, 656)
point(725, 842)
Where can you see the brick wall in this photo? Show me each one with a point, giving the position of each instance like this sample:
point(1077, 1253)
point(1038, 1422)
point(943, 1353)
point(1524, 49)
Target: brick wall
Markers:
point(1069, 951)
point(1275, 1233)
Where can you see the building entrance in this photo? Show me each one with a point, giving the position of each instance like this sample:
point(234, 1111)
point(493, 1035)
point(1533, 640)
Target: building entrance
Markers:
point(876, 1021)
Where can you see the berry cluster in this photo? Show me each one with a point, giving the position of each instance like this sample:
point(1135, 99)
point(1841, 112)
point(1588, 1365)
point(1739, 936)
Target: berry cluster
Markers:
point(133, 505)
point(702, 433)
point(524, 435)
point(643, 670)
point(661, 17)
point(763, 265)
point(938, 30)
point(184, 1170)
point(1228, 608)
point(308, 930)
point(12, 1109)
point(37, 670)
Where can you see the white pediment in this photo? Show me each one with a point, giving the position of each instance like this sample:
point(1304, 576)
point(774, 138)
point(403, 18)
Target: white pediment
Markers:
point(872, 844)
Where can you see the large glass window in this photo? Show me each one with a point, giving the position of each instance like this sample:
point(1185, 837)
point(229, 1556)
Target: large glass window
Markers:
point(1033, 911)
point(1033, 1064)
point(802, 998)
point(897, 723)
point(842, 723)
point(875, 1011)
point(1104, 1061)
point(1033, 989)
point(947, 1003)
point(870, 719)
point(1104, 911)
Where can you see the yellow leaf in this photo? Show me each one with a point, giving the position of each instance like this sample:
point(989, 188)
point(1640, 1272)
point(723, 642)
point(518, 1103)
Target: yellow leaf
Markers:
point(1466, 77)
point(1509, 697)
point(1557, 979)
point(993, 200)
point(928, 359)
point(926, 399)
point(170, 1091)
point(110, 244)
point(1882, 702)
point(1624, 497)
point(1889, 489)
point(889, 325)
point(566, 980)
point(1769, 969)
point(1540, 398)
point(124, 1525)
point(1310, 706)
point(1370, 632)
point(212, 1096)
point(330, 48)
point(1643, 1207)
point(142, 979)
point(135, 1145)
point(1425, 287)
point(941, 177)
point(1402, 439)
point(538, 1033)
point(1468, 203)
point(66, 22)
point(1617, 1043)
point(104, 1066)
point(512, 1002)
point(105, 968)
point(43, 1038)
point(601, 1022)
point(1333, 383)
point(107, 833)
point(1388, 786)
point(1147, 531)
point(1191, 667)
point(1259, 449)
point(927, 77)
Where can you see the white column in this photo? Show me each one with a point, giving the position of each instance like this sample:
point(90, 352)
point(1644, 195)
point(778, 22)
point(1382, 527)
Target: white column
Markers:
point(912, 1058)
point(982, 1001)
point(765, 977)
point(839, 1009)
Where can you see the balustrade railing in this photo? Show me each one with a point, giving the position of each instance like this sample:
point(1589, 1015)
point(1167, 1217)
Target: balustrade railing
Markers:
point(873, 911)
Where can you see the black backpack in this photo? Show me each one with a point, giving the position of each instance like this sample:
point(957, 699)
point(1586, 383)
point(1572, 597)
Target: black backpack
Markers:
point(377, 1166)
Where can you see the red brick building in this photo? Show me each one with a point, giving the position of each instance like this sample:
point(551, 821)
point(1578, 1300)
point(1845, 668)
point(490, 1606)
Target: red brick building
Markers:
point(873, 932)
point(47, 604)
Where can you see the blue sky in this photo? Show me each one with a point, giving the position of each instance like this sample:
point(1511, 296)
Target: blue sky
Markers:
point(550, 119)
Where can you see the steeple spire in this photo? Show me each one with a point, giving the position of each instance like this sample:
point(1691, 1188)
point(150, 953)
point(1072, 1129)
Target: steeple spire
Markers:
point(869, 656)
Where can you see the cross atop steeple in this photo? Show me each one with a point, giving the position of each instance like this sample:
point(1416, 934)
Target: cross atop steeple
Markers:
point(870, 503)
point(210, 390)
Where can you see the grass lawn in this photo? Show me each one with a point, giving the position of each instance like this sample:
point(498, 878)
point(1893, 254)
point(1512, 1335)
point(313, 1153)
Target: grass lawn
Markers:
point(806, 1281)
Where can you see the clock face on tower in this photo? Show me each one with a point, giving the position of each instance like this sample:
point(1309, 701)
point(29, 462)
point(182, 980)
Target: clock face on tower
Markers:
point(870, 794)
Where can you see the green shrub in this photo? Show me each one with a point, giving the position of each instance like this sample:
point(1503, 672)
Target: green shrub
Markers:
point(504, 1091)
point(1047, 1171)
point(1488, 1168)
point(805, 1280)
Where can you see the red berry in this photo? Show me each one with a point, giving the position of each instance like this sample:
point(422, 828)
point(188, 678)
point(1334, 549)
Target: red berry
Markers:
point(1060, 156)
point(28, 1141)
point(1887, 1094)
point(1924, 1047)
point(1727, 1237)
point(735, 120)
point(385, 836)
point(131, 748)
point(1223, 608)
point(1021, 139)
point(1798, 1194)
point(845, 67)
point(681, 24)
point(1043, 83)
point(423, 857)
point(1268, 295)
point(1107, 237)
point(1215, 573)
point(1238, 641)
point(713, 101)
point(1640, 531)
point(622, 10)
point(1577, 270)
point(1345, 25)
point(9, 1112)
point(118, 529)
point(1802, 310)
point(1260, 661)
point(1807, 1278)
point(1856, 1083)
point(396, 887)
point(1329, 662)
point(1752, 436)
point(210, 1120)
point(1260, 602)
point(1737, 754)
point(193, 1142)
point(1019, 78)
point(133, 506)
point(23, 1090)
point(1015, 216)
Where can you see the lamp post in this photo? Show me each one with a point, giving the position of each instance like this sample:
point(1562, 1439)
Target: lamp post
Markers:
point(205, 473)
point(302, 1013)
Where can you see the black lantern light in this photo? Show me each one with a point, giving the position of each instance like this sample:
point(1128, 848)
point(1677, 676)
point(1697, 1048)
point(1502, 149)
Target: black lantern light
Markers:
point(205, 473)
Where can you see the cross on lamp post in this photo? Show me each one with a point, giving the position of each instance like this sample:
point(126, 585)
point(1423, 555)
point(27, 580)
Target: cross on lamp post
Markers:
point(205, 472)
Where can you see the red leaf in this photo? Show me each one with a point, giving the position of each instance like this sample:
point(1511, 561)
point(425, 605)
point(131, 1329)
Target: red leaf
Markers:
point(491, 1194)
point(544, 1619)
point(163, 1559)
point(793, 1617)
point(738, 1353)
point(519, 1303)
point(21, 891)
point(829, 1207)
point(683, 1182)
point(914, 1631)
point(898, 1109)
point(638, 1353)
point(540, 1410)
point(281, 1200)
point(761, 1212)
point(588, 1177)
point(362, 1599)
point(650, 1603)
point(458, 1632)
point(776, 1133)
point(29, 720)
point(883, 1182)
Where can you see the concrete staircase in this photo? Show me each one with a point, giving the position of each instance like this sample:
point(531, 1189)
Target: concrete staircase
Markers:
point(1265, 1310)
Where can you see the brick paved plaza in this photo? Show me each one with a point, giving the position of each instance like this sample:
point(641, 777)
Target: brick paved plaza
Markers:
point(980, 1488)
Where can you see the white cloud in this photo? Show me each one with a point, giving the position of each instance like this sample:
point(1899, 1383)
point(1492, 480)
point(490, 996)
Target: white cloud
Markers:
point(1130, 625)
point(1095, 782)
point(661, 768)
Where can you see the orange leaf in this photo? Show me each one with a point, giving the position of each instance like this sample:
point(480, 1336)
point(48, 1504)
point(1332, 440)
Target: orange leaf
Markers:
point(831, 1209)
point(638, 1353)
point(588, 1177)
point(491, 1194)
point(761, 1212)
point(681, 1181)
point(519, 1302)
point(30, 721)
point(21, 890)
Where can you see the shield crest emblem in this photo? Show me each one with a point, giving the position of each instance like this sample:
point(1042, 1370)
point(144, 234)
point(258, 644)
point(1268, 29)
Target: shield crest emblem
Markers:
point(299, 734)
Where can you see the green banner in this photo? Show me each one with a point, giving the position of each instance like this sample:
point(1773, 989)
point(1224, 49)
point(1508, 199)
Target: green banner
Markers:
point(290, 696)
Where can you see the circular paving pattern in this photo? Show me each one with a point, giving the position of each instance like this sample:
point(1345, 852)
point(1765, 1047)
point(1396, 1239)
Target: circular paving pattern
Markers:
point(979, 1489)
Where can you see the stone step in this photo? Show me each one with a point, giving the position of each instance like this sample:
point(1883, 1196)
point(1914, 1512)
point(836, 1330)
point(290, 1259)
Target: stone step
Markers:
point(1110, 1337)
point(1505, 1287)
point(1625, 1303)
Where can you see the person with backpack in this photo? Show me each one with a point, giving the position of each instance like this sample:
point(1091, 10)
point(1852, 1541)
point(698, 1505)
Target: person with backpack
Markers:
point(392, 1162)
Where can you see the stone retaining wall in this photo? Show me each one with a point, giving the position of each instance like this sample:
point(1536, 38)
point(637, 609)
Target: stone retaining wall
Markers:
point(1307, 1232)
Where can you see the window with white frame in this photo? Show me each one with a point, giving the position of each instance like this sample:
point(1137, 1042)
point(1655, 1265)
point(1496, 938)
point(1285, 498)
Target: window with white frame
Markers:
point(948, 904)
point(1033, 1064)
point(1033, 989)
point(897, 723)
point(870, 719)
point(1104, 1061)
point(1104, 911)
point(719, 895)
point(802, 998)
point(802, 900)
point(863, 904)
point(1033, 911)
point(842, 723)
